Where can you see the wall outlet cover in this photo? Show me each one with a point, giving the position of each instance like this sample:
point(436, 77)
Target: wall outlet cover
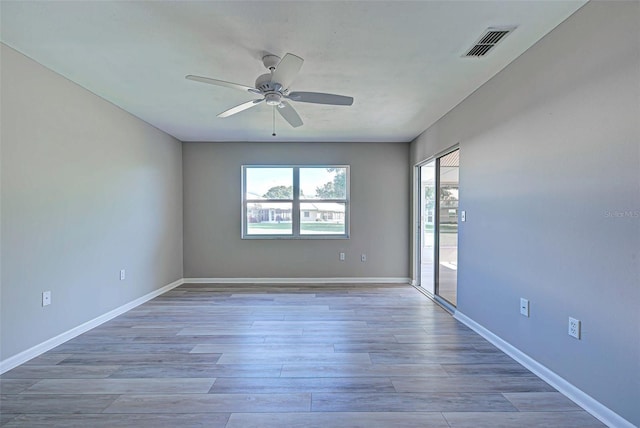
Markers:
point(574, 328)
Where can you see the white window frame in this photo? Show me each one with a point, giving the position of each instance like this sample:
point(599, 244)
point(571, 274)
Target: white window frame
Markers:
point(295, 214)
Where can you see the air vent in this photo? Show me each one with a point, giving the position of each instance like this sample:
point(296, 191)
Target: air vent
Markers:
point(488, 40)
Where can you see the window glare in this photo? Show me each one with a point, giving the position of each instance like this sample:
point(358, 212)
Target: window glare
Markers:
point(269, 183)
point(323, 183)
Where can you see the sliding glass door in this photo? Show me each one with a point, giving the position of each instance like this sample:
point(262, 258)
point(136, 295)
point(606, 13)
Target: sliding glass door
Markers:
point(448, 167)
point(438, 226)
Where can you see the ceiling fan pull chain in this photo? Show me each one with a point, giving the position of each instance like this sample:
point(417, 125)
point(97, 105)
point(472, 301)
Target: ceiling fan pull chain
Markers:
point(274, 121)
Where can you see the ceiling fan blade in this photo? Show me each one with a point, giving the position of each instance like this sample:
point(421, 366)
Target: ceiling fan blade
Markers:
point(241, 107)
point(222, 83)
point(320, 98)
point(287, 70)
point(289, 114)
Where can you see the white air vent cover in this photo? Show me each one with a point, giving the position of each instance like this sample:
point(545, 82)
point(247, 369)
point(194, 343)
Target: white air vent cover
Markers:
point(488, 40)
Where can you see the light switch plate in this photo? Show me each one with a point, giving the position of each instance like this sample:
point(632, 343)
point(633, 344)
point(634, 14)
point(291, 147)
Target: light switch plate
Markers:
point(524, 307)
point(46, 298)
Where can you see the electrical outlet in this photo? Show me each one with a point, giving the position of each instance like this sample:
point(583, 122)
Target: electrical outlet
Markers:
point(524, 307)
point(46, 298)
point(574, 328)
point(342, 257)
point(363, 258)
point(463, 215)
point(123, 274)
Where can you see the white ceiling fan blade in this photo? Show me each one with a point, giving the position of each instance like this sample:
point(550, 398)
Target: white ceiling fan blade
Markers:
point(320, 98)
point(222, 83)
point(241, 107)
point(287, 70)
point(289, 114)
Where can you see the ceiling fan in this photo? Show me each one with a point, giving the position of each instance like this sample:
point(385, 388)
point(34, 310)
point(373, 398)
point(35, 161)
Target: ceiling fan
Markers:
point(273, 87)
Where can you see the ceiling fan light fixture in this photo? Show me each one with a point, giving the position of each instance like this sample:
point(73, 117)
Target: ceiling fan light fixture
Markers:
point(273, 99)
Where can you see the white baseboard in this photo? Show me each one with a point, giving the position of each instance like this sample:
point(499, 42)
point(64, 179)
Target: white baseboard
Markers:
point(23, 357)
point(345, 280)
point(588, 403)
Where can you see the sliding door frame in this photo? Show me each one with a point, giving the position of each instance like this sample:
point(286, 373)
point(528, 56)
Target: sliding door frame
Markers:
point(418, 226)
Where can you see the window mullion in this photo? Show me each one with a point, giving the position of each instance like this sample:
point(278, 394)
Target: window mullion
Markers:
point(295, 215)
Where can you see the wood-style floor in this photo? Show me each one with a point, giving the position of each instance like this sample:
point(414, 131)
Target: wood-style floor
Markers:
point(267, 356)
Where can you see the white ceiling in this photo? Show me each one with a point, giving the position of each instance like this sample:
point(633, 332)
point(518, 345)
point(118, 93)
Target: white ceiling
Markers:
point(401, 61)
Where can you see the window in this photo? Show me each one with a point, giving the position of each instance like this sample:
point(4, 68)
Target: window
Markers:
point(295, 201)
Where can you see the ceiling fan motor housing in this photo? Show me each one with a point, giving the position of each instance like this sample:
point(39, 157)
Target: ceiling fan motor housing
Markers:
point(272, 90)
point(265, 85)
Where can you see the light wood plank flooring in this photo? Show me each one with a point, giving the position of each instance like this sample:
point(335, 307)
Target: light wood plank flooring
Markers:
point(242, 356)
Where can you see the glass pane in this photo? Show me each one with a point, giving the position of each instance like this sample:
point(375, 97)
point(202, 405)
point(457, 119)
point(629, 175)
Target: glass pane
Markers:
point(269, 183)
point(322, 218)
point(269, 218)
point(323, 183)
point(428, 217)
point(448, 227)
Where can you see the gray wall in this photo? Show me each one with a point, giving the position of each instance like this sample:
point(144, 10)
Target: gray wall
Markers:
point(550, 158)
point(87, 189)
point(379, 213)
